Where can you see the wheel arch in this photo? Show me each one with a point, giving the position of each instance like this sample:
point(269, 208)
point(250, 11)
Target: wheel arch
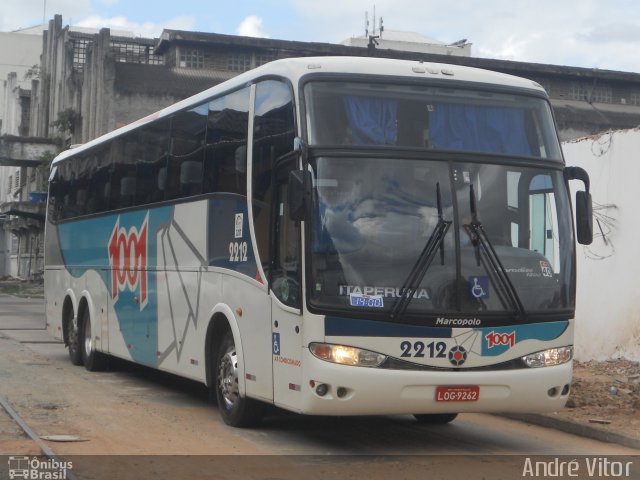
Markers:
point(69, 307)
point(222, 320)
point(86, 302)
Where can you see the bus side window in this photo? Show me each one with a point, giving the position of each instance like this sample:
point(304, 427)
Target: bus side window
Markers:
point(69, 202)
point(60, 186)
point(152, 162)
point(184, 174)
point(87, 169)
point(274, 130)
point(96, 201)
point(225, 168)
point(123, 175)
point(54, 192)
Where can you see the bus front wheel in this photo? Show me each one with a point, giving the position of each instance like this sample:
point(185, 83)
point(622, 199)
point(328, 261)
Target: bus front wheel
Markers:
point(235, 410)
point(436, 418)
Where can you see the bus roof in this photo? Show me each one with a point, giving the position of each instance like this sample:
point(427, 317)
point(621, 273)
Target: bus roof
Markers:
point(296, 68)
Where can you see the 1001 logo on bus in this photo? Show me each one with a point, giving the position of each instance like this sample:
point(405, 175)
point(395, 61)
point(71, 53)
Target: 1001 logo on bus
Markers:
point(506, 339)
point(128, 260)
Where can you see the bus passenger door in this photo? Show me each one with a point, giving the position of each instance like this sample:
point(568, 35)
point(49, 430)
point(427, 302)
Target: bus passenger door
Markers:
point(286, 294)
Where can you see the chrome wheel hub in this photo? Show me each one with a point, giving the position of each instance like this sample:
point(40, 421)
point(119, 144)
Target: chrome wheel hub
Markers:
point(228, 377)
point(88, 339)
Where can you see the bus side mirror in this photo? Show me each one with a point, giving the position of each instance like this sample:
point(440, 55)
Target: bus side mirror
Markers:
point(584, 218)
point(299, 194)
point(584, 208)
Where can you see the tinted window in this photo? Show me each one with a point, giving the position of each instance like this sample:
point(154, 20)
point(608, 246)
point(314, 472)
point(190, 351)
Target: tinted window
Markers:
point(343, 113)
point(53, 199)
point(274, 130)
point(99, 183)
point(86, 168)
point(60, 186)
point(226, 150)
point(184, 174)
point(124, 152)
point(151, 166)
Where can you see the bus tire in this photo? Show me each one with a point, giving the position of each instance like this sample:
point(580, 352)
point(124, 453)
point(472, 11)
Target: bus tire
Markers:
point(73, 340)
point(92, 359)
point(235, 410)
point(435, 418)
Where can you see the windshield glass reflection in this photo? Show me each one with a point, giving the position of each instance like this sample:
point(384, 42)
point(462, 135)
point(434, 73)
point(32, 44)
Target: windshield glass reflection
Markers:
point(373, 218)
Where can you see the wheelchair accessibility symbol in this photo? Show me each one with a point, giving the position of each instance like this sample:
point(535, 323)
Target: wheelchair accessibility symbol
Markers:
point(479, 287)
point(275, 342)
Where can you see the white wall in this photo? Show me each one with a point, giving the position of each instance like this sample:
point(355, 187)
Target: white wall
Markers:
point(18, 53)
point(608, 296)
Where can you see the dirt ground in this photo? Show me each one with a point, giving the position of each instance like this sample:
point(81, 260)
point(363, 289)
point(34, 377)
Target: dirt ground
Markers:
point(606, 395)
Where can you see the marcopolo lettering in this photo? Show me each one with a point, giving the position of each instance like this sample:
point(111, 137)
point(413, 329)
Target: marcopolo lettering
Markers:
point(128, 260)
point(458, 322)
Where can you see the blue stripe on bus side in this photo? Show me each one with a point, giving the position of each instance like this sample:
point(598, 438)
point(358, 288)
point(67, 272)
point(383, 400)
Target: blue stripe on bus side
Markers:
point(348, 327)
point(85, 246)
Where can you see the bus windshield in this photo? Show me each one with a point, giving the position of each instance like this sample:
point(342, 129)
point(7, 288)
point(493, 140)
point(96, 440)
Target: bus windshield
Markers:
point(373, 217)
point(417, 116)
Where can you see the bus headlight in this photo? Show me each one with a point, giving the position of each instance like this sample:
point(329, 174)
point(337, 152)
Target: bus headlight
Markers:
point(549, 358)
point(346, 355)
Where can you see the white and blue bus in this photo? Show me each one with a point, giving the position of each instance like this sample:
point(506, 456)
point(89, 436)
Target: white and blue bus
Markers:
point(335, 236)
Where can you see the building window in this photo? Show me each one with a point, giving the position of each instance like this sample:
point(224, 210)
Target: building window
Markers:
point(191, 58)
point(239, 62)
point(79, 53)
point(634, 99)
point(10, 183)
point(591, 93)
point(263, 58)
point(127, 52)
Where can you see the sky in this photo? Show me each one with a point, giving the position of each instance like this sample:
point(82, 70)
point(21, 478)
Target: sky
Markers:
point(601, 34)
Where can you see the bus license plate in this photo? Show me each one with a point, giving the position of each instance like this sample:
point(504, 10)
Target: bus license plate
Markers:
point(467, 393)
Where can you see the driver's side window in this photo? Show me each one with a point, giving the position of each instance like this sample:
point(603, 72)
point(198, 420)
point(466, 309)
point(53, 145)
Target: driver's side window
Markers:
point(285, 275)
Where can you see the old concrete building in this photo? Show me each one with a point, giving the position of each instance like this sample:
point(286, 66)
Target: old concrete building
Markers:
point(102, 81)
point(19, 52)
point(91, 83)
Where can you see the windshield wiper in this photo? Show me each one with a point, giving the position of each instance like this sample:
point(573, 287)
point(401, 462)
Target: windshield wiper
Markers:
point(423, 263)
point(506, 291)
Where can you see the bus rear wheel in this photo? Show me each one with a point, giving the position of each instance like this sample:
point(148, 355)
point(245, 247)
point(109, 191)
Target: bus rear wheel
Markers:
point(435, 418)
point(93, 360)
point(235, 410)
point(73, 340)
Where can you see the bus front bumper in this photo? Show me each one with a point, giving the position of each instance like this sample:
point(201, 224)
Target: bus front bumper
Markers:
point(374, 391)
